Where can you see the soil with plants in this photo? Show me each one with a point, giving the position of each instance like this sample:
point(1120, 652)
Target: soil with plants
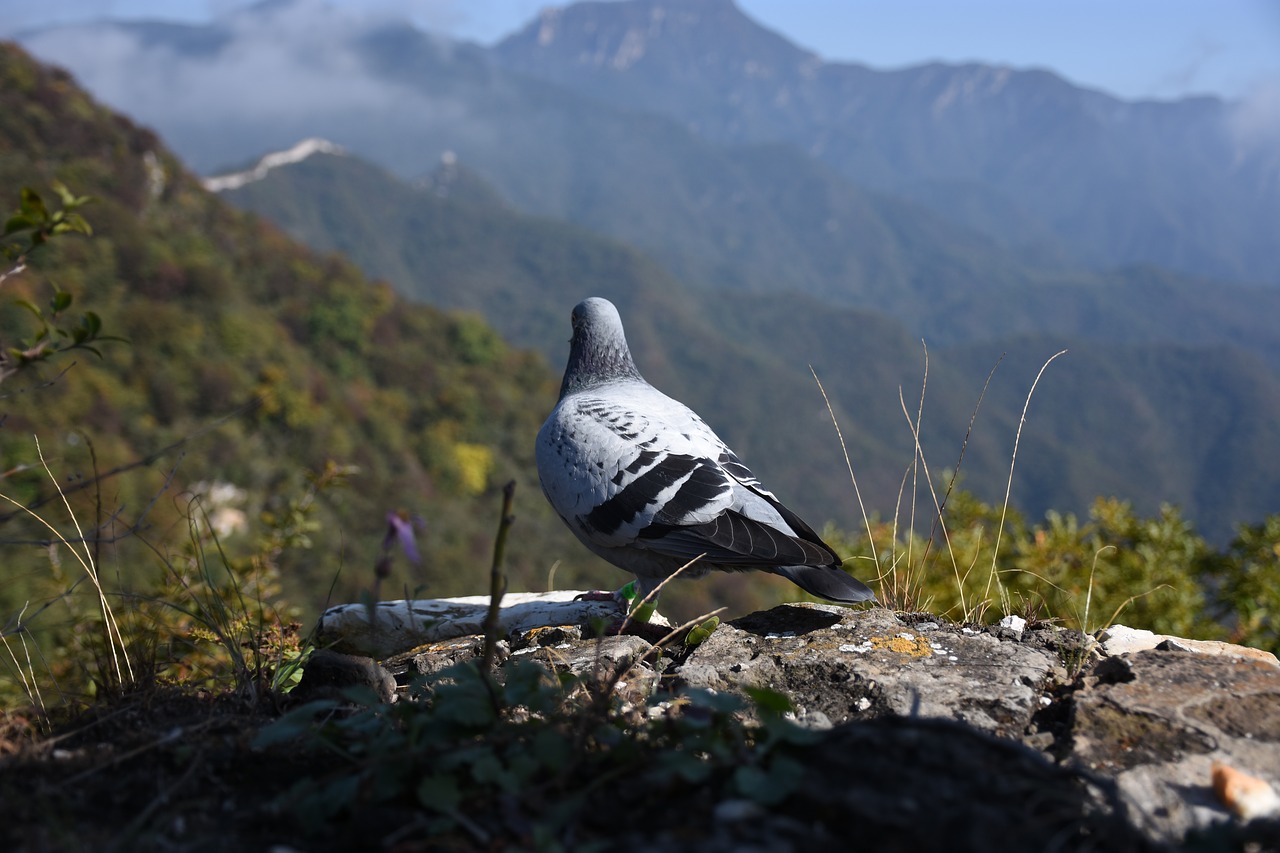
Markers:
point(180, 770)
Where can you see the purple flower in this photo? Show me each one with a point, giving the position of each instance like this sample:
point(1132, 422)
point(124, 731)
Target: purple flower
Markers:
point(400, 529)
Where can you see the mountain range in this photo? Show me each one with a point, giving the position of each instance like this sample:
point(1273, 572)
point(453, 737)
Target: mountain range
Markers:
point(1186, 422)
point(1025, 156)
point(754, 209)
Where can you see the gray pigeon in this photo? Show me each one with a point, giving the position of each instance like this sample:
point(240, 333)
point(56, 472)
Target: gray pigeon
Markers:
point(645, 484)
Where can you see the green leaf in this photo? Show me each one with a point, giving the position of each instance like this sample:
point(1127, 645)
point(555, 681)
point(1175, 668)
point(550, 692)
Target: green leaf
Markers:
point(61, 301)
point(92, 323)
point(30, 306)
point(292, 725)
point(689, 767)
point(768, 787)
point(769, 701)
point(65, 195)
point(439, 792)
point(489, 769)
point(699, 633)
point(32, 205)
point(551, 748)
point(76, 222)
point(18, 222)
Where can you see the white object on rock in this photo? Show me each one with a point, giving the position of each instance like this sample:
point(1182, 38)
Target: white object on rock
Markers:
point(398, 626)
point(1014, 623)
point(1246, 796)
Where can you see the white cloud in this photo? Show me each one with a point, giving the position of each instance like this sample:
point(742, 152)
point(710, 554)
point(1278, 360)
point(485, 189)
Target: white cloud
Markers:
point(291, 61)
point(1255, 118)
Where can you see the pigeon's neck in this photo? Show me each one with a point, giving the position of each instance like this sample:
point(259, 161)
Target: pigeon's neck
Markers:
point(597, 361)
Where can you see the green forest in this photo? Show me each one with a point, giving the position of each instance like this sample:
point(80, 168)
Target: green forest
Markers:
point(206, 427)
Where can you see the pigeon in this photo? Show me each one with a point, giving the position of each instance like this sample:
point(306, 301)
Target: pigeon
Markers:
point(645, 484)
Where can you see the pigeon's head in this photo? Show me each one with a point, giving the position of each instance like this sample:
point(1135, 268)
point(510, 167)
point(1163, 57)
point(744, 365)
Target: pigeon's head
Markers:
point(598, 353)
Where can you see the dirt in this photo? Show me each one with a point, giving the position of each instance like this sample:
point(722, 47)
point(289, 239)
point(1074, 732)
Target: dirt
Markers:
point(156, 769)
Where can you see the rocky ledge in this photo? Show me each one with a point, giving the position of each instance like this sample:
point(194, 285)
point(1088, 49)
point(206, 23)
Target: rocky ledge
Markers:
point(1162, 741)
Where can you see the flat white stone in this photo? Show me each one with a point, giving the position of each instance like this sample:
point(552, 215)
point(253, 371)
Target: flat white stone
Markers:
point(390, 627)
point(1121, 639)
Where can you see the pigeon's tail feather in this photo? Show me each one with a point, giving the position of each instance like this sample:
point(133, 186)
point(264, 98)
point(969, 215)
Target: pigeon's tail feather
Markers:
point(826, 582)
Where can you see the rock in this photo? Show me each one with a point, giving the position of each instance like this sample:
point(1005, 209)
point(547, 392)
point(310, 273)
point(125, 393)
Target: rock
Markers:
point(1157, 721)
point(327, 673)
point(934, 784)
point(560, 648)
point(1121, 639)
point(1141, 741)
point(430, 658)
point(619, 658)
point(901, 784)
point(861, 664)
point(397, 626)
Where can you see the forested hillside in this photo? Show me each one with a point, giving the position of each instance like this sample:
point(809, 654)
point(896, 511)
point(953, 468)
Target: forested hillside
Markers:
point(253, 361)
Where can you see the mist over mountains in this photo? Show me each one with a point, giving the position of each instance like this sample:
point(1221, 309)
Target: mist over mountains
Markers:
point(1035, 163)
point(754, 210)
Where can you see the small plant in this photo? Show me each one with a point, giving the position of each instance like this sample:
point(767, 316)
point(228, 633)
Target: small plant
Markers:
point(119, 672)
point(33, 224)
point(524, 769)
point(27, 229)
point(218, 613)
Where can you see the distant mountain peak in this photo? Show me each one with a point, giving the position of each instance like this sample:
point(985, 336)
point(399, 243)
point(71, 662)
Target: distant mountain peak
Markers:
point(695, 35)
point(296, 154)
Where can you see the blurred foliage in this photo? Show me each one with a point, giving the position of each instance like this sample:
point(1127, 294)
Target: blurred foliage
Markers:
point(1113, 567)
point(1246, 585)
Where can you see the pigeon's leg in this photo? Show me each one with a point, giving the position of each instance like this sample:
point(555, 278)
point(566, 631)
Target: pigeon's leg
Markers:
point(632, 598)
point(643, 597)
point(630, 595)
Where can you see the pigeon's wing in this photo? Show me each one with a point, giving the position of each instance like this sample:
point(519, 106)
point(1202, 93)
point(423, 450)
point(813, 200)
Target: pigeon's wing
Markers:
point(756, 530)
point(663, 481)
point(611, 472)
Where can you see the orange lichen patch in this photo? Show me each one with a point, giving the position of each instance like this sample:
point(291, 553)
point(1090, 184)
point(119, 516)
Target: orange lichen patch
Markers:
point(917, 647)
point(1246, 796)
point(534, 632)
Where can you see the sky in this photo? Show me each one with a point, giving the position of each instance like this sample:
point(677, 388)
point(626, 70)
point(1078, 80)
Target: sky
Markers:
point(1130, 48)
